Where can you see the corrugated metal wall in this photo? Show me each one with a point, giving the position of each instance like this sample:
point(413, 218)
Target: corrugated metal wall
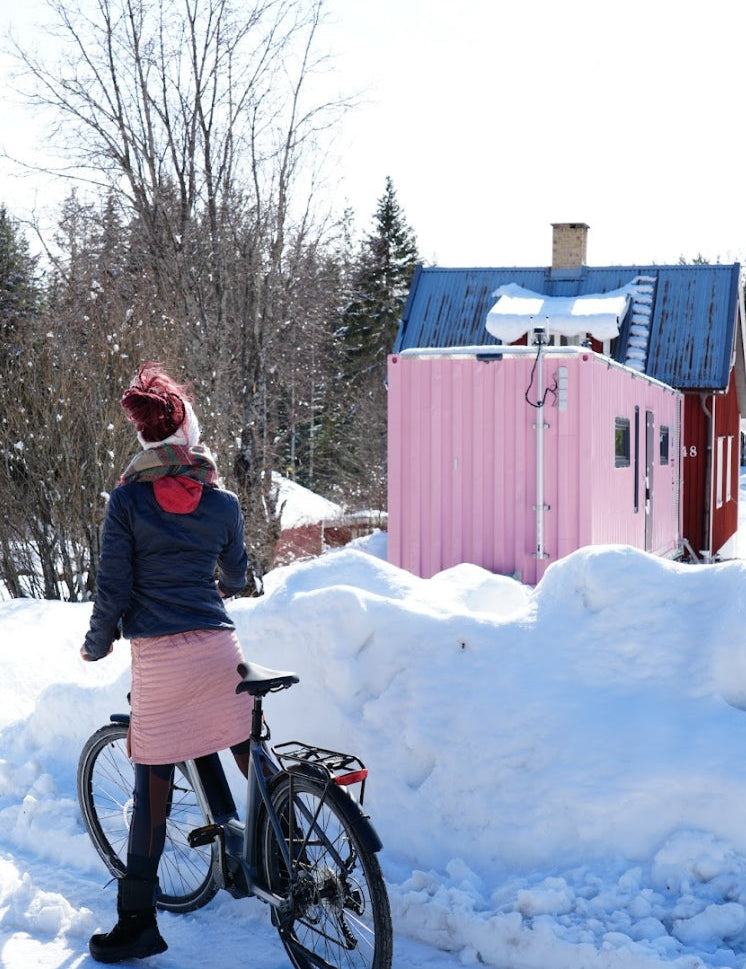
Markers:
point(462, 462)
point(696, 473)
point(710, 514)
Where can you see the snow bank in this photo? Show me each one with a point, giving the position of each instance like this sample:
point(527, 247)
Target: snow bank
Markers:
point(556, 774)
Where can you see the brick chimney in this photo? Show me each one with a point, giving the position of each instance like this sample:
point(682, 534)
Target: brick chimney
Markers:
point(569, 243)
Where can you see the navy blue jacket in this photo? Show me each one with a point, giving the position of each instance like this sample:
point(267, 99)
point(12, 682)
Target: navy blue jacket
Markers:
point(157, 568)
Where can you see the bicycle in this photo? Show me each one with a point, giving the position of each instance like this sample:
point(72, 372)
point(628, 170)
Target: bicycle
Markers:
point(305, 847)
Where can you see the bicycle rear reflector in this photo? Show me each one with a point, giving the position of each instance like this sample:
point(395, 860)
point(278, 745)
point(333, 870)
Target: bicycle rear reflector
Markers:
point(356, 777)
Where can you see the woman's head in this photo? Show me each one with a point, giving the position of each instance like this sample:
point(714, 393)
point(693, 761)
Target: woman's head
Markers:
point(160, 408)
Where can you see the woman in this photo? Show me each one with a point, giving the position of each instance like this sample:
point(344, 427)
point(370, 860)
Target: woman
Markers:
point(167, 528)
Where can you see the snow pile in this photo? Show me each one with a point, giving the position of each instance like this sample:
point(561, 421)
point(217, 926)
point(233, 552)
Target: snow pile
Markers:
point(519, 310)
point(557, 774)
point(642, 290)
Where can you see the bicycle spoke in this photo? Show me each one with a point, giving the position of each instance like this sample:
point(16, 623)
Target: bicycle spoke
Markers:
point(105, 782)
point(341, 911)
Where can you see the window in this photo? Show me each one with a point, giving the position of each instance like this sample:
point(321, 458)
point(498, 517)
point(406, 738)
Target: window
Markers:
point(719, 475)
point(621, 442)
point(663, 441)
point(723, 470)
point(558, 340)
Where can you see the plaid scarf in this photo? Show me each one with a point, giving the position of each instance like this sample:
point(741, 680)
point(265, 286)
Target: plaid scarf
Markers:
point(171, 460)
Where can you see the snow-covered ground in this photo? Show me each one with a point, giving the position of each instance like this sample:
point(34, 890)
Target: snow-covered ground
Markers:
point(558, 775)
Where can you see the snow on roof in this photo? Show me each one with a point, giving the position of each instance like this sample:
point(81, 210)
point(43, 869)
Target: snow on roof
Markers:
point(301, 506)
point(519, 310)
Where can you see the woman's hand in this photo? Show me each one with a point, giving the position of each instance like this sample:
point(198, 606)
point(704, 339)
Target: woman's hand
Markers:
point(92, 659)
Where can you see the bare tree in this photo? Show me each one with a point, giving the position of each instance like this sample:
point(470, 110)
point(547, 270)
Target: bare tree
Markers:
point(198, 114)
point(63, 439)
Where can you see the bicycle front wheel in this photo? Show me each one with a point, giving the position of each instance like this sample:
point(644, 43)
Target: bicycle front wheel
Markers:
point(339, 914)
point(106, 780)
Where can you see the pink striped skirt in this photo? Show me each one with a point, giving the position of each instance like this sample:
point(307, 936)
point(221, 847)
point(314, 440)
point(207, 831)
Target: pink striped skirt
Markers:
point(184, 701)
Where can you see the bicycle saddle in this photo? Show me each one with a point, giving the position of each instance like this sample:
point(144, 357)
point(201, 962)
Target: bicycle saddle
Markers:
point(258, 680)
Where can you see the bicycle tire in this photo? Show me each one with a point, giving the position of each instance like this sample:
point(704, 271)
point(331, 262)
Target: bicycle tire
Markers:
point(340, 914)
point(105, 781)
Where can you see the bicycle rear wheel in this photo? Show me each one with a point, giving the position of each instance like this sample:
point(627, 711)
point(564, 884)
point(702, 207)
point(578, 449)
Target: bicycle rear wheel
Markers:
point(340, 914)
point(105, 783)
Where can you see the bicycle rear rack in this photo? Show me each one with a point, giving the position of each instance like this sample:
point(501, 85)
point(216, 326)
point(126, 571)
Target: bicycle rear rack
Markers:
point(343, 769)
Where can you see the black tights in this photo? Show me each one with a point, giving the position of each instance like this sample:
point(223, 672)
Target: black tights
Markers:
point(151, 803)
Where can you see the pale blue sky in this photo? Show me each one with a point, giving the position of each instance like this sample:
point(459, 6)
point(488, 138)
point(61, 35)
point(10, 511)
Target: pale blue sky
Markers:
point(495, 119)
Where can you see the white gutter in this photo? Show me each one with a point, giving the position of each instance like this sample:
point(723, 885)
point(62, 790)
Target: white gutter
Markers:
point(509, 350)
point(490, 350)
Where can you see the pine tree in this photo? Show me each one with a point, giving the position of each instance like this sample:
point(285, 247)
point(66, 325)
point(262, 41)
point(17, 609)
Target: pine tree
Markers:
point(380, 284)
point(380, 280)
point(20, 292)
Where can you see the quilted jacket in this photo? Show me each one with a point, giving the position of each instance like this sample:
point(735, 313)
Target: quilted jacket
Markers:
point(157, 568)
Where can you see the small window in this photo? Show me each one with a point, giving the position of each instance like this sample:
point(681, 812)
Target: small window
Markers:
point(621, 442)
point(664, 438)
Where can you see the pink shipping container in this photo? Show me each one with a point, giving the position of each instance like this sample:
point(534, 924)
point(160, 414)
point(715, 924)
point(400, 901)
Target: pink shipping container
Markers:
point(477, 474)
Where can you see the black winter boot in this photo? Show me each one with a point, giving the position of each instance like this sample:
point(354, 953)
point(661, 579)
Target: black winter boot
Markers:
point(136, 933)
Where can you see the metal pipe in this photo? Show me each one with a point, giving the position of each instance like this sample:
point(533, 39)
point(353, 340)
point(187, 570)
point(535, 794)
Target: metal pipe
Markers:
point(707, 512)
point(539, 456)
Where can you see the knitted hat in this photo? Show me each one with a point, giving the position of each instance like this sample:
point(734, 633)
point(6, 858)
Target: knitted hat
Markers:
point(186, 434)
point(160, 409)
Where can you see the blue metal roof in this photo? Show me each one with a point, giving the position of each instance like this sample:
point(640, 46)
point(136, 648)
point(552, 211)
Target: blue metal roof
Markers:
point(692, 328)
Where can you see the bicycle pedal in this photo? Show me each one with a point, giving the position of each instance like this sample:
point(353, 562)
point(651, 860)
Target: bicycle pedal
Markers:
point(203, 836)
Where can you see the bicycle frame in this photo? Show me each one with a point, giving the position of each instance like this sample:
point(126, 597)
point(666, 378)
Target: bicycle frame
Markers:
point(261, 768)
